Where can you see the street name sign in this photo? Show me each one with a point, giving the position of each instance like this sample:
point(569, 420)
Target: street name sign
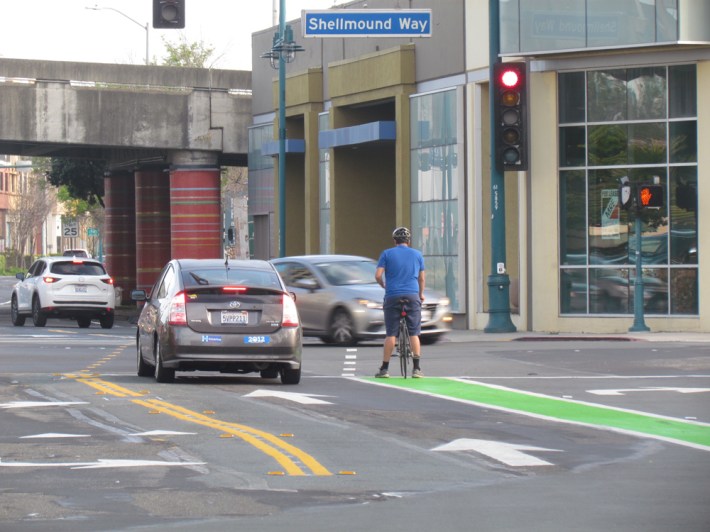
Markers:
point(366, 23)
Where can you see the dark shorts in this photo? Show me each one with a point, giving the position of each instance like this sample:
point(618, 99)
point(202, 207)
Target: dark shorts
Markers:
point(392, 314)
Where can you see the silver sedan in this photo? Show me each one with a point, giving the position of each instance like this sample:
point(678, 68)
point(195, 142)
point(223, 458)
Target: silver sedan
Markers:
point(339, 301)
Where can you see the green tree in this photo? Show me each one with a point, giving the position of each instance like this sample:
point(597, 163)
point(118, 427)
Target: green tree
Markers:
point(186, 54)
point(83, 179)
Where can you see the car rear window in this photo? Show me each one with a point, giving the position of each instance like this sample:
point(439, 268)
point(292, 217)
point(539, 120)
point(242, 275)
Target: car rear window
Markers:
point(77, 268)
point(222, 276)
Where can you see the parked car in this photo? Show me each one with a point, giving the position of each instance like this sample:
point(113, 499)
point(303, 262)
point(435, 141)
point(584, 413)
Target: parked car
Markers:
point(212, 315)
point(76, 253)
point(64, 287)
point(339, 301)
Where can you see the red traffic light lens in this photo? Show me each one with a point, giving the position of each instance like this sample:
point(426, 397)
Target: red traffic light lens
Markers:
point(510, 78)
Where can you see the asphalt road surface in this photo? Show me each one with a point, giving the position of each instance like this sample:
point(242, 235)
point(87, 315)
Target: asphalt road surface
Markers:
point(500, 436)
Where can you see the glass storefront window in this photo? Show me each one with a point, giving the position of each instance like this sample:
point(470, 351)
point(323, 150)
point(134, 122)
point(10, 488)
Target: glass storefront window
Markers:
point(435, 179)
point(639, 124)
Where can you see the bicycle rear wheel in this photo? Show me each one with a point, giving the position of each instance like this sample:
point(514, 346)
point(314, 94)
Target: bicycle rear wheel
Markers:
point(404, 348)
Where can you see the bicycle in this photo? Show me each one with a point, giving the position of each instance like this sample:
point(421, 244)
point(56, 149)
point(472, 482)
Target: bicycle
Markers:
point(404, 345)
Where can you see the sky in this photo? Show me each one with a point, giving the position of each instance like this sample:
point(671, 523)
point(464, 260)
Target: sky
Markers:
point(64, 30)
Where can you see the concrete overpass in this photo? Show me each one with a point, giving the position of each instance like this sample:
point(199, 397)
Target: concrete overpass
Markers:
point(164, 132)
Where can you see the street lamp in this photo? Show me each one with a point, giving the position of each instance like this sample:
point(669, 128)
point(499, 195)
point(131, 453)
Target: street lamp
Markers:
point(282, 51)
point(145, 27)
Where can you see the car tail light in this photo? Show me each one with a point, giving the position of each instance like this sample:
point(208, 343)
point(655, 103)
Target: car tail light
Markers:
point(290, 314)
point(234, 289)
point(108, 281)
point(49, 280)
point(177, 314)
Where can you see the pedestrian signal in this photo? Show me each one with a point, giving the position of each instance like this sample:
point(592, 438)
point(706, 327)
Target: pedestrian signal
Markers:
point(650, 196)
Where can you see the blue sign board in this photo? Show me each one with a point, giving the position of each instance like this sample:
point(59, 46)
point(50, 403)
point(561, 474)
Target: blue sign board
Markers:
point(366, 23)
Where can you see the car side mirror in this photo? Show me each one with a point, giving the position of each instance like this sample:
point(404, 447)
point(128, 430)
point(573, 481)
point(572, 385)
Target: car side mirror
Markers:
point(20, 276)
point(138, 295)
point(307, 284)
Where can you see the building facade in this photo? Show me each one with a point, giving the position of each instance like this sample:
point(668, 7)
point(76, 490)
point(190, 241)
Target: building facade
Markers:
point(384, 132)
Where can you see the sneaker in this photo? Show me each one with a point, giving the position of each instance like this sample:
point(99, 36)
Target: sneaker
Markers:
point(382, 374)
point(417, 374)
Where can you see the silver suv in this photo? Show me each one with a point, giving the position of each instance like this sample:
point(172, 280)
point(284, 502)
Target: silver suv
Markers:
point(64, 287)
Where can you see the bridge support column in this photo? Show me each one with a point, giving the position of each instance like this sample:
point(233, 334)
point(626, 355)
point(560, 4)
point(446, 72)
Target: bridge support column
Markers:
point(152, 225)
point(119, 238)
point(195, 206)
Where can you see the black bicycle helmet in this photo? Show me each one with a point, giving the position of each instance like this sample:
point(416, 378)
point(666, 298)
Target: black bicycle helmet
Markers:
point(401, 235)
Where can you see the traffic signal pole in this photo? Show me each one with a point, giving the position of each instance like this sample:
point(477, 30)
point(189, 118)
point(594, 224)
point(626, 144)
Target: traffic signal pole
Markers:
point(498, 280)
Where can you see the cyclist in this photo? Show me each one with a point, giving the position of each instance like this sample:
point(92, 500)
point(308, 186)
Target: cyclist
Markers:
point(400, 271)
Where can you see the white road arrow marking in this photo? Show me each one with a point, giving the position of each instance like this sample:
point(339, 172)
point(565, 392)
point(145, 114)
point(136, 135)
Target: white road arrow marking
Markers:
point(100, 464)
point(35, 404)
point(623, 391)
point(507, 453)
point(303, 398)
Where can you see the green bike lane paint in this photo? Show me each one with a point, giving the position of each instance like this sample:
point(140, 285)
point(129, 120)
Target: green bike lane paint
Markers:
point(688, 433)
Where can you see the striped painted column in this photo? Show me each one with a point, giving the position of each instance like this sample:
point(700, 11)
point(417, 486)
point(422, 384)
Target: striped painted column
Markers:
point(195, 212)
point(119, 239)
point(152, 225)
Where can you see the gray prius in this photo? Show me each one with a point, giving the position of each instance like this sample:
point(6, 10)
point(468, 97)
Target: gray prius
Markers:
point(216, 315)
point(339, 301)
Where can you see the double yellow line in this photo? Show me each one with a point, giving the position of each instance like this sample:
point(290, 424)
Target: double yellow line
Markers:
point(294, 461)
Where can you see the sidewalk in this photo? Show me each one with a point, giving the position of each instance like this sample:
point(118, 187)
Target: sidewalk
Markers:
point(480, 336)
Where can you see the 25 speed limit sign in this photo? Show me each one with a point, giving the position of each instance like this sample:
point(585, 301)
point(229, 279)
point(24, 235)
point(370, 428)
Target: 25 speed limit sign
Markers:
point(70, 230)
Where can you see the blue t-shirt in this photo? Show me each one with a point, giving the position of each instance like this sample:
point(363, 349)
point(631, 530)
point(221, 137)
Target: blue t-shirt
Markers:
point(402, 265)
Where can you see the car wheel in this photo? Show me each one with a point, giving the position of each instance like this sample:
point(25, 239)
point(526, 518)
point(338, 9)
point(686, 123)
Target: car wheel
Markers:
point(17, 320)
point(342, 329)
point(84, 323)
point(144, 369)
point(107, 321)
point(39, 318)
point(290, 376)
point(162, 374)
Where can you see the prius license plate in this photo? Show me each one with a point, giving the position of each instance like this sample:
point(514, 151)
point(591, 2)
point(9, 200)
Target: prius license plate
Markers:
point(235, 317)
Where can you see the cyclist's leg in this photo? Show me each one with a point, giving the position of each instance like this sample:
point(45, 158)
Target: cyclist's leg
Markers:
point(414, 321)
point(391, 312)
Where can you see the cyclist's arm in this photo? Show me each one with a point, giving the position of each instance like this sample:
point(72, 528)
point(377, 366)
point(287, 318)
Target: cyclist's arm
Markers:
point(422, 282)
point(379, 276)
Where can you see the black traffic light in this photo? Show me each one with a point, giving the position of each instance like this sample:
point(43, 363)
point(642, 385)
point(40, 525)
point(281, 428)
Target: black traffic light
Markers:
point(510, 108)
point(650, 196)
point(169, 14)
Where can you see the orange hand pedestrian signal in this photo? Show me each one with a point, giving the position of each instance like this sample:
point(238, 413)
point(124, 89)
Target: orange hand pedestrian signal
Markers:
point(650, 196)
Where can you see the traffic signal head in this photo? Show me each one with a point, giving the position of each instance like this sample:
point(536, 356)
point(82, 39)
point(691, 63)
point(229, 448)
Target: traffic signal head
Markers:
point(510, 104)
point(169, 14)
point(650, 196)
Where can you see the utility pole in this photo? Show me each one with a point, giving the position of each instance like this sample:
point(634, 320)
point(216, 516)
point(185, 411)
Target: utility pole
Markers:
point(498, 280)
